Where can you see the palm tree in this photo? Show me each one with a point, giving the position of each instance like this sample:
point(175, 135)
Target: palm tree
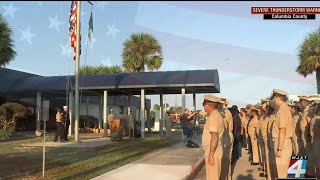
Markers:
point(100, 69)
point(309, 56)
point(141, 50)
point(7, 53)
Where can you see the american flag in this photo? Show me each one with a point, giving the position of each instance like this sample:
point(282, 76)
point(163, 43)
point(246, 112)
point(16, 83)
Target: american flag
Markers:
point(73, 27)
point(252, 55)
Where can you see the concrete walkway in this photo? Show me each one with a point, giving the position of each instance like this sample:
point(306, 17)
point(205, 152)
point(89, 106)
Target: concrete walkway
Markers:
point(241, 170)
point(84, 143)
point(96, 141)
point(172, 163)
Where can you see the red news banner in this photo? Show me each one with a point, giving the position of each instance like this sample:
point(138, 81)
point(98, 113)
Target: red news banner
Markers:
point(287, 13)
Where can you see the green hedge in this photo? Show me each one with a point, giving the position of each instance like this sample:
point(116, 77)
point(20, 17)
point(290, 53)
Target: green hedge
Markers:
point(88, 122)
point(5, 134)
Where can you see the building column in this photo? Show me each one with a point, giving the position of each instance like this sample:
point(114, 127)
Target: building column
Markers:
point(183, 93)
point(129, 105)
point(105, 113)
point(38, 115)
point(129, 112)
point(100, 111)
point(194, 102)
point(71, 113)
point(161, 116)
point(142, 107)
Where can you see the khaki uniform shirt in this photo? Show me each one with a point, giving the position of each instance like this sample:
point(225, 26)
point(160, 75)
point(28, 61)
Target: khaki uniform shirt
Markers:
point(315, 123)
point(271, 120)
point(264, 126)
point(258, 126)
point(59, 117)
point(249, 119)
point(229, 119)
point(283, 120)
point(253, 124)
point(110, 118)
point(214, 123)
point(244, 122)
point(305, 119)
point(295, 123)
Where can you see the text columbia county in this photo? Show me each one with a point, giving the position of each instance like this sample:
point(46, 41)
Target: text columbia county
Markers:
point(289, 16)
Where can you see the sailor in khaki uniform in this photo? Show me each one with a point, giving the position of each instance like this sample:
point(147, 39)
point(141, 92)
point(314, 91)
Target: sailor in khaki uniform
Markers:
point(227, 139)
point(253, 136)
point(131, 125)
point(263, 136)
point(296, 129)
point(259, 138)
point(315, 134)
point(212, 137)
point(244, 130)
point(306, 117)
point(282, 133)
point(271, 169)
point(249, 117)
point(110, 118)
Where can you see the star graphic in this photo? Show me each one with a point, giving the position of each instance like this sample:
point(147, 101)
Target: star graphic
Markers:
point(9, 10)
point(39, 3)
point(55, 23)
point(106, 62)
point(101, 5)
point(66, 50)
point(93, 40)
point(27, 35)
point(112, 30)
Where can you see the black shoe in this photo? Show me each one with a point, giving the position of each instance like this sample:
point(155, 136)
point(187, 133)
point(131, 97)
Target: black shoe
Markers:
point(62, 141)
point(262, 175)
point(254, 164)
point(67, 140)
point(54, 140)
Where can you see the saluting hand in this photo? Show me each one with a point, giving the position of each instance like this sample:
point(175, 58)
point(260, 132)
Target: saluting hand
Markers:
point(210, 160)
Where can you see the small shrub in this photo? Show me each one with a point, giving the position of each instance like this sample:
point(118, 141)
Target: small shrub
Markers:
point(9, 113)
point(5, 133)
point(88, 121)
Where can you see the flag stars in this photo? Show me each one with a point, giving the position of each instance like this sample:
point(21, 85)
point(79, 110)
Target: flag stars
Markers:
point(26, 35)
point(55, 23)
point(106, 62)
point(66, 49)
point(112, 31)
point(10, 10)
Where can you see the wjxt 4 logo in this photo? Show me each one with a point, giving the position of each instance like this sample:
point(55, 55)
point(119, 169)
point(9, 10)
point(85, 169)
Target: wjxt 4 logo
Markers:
point(297, 167)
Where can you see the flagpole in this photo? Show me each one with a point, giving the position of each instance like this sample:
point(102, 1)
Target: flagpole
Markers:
point(77, 107)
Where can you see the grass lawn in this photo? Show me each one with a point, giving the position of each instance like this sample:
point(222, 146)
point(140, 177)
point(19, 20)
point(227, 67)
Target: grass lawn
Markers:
point(18, 162)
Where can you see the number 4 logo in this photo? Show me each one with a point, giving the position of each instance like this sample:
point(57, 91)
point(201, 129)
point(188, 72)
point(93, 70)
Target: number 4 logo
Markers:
point(297, 169)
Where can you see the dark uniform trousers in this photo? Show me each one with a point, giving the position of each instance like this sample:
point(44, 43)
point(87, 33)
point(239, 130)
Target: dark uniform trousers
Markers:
point(60, 131)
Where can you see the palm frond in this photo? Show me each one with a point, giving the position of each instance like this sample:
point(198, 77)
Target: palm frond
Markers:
point(7, 52)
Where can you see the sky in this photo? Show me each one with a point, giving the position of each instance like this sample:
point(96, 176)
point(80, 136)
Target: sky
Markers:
point(252, 55)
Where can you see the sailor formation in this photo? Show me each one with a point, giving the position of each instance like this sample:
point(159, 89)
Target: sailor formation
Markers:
point(271, 132)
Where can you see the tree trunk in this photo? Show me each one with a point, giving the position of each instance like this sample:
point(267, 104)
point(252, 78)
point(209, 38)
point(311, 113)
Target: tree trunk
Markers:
point(318, 80)
point(141, 69)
